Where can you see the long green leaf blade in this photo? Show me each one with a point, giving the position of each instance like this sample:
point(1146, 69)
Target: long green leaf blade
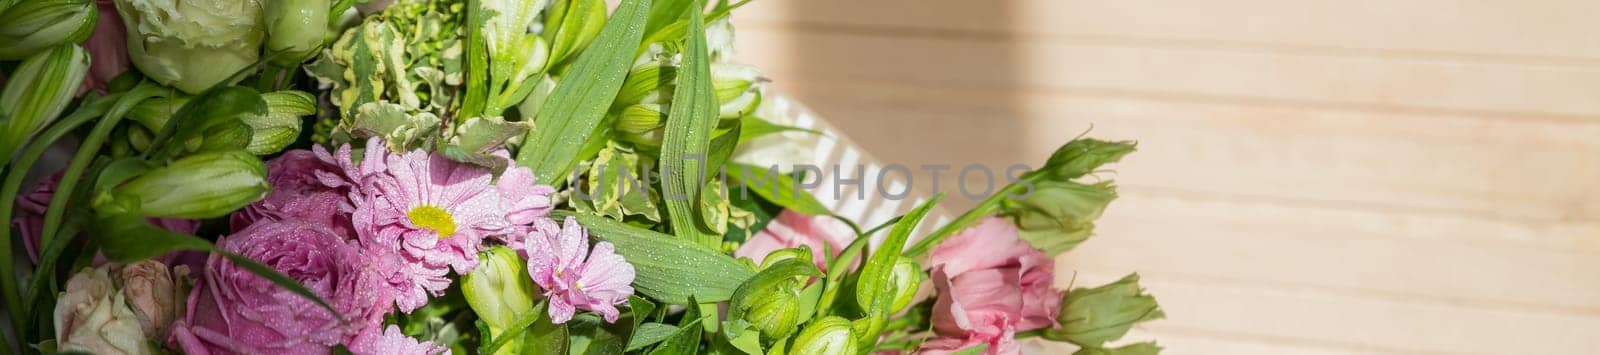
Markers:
point(577, 105)
point(668, 269)
point(774, 187)
point(688, 136)
point(874, 290)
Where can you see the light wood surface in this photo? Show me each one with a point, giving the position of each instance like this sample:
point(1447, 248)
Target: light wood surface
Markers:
point(1314, 177)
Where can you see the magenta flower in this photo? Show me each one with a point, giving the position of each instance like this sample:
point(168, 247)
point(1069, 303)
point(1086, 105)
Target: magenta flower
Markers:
point(990, 284)
point(793, 229)
point(231, 310)
point(298, 193)
point(526, 200)
point(597, 283)
point(390, 341)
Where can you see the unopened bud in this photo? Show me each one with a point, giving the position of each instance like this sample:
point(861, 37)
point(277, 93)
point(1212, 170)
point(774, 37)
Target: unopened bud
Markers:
point(1090, 317)
point(642, 124)
point(205, 185)
point(278, 128)
point(33, 25)
point(295, 28)
point(829, 335)
point(499, 289)
point(1082, 156)
point(37, 91)
point(775, 311)
point(906, 277)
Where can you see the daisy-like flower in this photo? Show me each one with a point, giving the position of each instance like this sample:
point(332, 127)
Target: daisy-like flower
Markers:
point(598, 283)
point(391, 341)
point(526, 200)
point(434, 211)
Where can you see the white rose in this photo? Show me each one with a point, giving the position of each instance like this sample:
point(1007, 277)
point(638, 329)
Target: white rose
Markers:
point(91, 317)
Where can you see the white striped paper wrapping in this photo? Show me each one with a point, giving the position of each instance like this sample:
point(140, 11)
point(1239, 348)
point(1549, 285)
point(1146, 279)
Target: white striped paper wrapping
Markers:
point(839, 157)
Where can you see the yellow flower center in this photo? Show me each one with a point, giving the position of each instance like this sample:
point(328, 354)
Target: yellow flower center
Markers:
point(434, 218)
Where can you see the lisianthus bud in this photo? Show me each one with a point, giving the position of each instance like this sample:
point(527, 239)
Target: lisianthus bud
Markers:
point(499, 290)
point(31, 26)
point(906, 277)
point(37, 91)
point(90, 316)
point(1090, 317)
point(774, 311)
point(205, 185)
point(295, 28)
point(1059, 214)
point(1081, 156)
point(278, 128)
point(152, 294)
point(829, 335)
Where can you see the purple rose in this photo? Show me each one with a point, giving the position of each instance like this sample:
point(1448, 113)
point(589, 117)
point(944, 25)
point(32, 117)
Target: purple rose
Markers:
point(298, 193)
point(232, 310)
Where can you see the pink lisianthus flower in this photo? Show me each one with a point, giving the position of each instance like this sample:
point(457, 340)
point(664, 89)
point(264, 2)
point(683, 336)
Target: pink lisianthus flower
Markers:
point(108, 49)
point(597, 283)
point(234, 311)
point(390, 341)
point(298, 193)
point(792, 229)
point(30, 219)
point(990, 285)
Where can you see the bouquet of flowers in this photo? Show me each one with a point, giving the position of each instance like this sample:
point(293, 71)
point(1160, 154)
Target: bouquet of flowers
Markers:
point(477, 176)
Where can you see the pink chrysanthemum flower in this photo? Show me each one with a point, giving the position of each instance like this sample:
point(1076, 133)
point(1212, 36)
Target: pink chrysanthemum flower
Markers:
point(390, 341)
point(434, 211)
point(598, 283)
point(526, 200)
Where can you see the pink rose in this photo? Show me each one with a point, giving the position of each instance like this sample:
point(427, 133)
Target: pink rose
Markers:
point(793, 229)
point(298, 193)
point(232, 310)
point(108, 49)
point(990, 285)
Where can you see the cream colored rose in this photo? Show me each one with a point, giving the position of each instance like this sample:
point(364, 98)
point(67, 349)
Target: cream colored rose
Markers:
point(151, 293)
point(92, 317)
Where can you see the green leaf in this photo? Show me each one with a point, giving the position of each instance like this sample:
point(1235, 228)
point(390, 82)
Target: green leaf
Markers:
point(533, 333)
point(687, 339)
point(875, 288)
point(748, 341)
point(755, 127)
point(588, 334)
point(575, 108)
point(780, 189)
point(668, 269)
point(688, 136)
point(649, 334)
point(573, 25)
point(1144, 348)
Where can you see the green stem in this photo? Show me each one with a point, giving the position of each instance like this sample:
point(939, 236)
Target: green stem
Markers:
point(86, 153)
point(836, 271)
point(988, 207)
point(13, 183)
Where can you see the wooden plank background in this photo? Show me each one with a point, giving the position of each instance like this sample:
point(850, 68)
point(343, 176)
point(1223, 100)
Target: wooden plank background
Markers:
point(1314, 177)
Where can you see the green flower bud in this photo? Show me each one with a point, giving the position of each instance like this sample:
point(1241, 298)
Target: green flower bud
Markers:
point(800, 253)
point(775, 311)
point(205, 185)
point(642, 125)
point(499, 290)
point(733, 80)
point(34, 25)
point(646, 81)
point(1090, 317)
point(1082, 156)
point(739, 106)
point(154, 113)
point(278, 128)
point(1058, 215)
point(829, 335)
point(906, 277)
point(295, 28)
point(37, 91)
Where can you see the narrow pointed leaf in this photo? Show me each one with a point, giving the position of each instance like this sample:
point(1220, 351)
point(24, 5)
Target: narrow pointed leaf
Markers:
point(688, 136)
